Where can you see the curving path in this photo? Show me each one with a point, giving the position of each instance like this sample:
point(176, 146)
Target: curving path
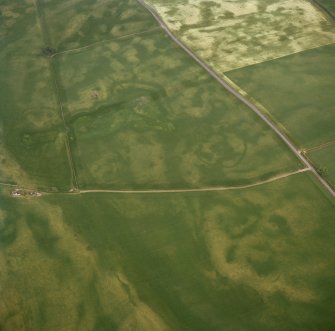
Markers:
point(202, 189)
point(152, 191)
point(238, 95)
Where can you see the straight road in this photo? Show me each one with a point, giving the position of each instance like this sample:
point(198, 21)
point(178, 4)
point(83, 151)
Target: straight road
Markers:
point(238, 95)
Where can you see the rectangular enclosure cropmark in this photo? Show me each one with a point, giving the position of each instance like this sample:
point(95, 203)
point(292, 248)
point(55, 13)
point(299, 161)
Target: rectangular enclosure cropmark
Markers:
point(144, 115)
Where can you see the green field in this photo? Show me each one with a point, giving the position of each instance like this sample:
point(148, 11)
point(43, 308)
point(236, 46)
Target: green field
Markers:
point(145, 115)
point(254, 259)
point(233, 34)
point(77, 23)
point(324, 159)
point(298, 91)
point(93, 95)
point(32, 143)
point(138, 113)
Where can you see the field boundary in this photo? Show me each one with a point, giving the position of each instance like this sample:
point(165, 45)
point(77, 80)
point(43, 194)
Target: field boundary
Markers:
point(322, 9)
point(315, 148)
point(261, 107)
point(279, 57)
point(97, 43)
point(54, 78)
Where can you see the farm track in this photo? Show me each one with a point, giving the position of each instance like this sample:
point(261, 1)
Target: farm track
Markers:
point(101, 42)
point(324, 145)
point(46, 40)
point(8, 184)
point(238, 95)
point(203, 189)
point(153, 191)
point(66, 129)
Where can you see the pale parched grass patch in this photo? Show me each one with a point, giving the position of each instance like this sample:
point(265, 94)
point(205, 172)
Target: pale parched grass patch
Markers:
point(234, 34)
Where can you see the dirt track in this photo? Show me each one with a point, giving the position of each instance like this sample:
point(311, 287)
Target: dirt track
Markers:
point(202, 189)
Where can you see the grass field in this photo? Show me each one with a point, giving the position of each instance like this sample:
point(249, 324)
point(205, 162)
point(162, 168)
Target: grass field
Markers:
point(254, 259)
point(298, 91)
point(324, 159)
point(77, 23)
point(32, 146)
point(234, 34)
point(145, 115)
point(82, 100)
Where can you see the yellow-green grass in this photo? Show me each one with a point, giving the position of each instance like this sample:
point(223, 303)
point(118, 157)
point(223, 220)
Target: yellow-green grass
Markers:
point(253, 259)
point(145, 115)
point(324, 159)
point(233, 34)
point(298, 91)
point(77, 23)
point(19, 33)
point(32, 139)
